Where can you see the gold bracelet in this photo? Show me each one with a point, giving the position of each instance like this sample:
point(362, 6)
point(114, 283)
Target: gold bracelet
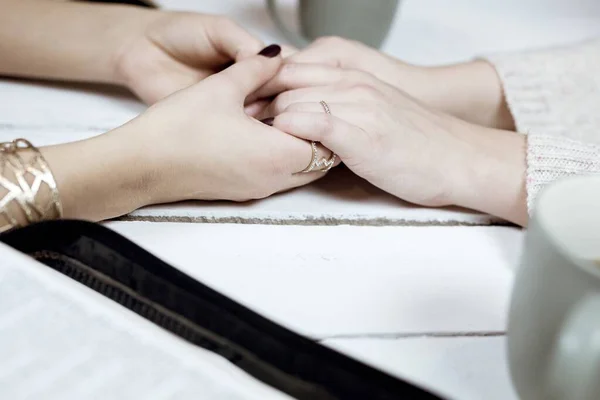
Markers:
point(24, 174)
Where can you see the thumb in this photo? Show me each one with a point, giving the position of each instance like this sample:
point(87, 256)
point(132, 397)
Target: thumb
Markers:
point(246, 76)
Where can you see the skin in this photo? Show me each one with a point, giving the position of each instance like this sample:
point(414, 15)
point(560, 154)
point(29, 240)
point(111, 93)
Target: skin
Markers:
point(153, 53)
point(470, 91)
point(433, 136)
point(195, 142)
point(392, 125)
point(170, 152)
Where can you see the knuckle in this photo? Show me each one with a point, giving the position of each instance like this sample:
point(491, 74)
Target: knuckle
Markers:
point(289, 69)
point(295, 107)
point(281, 102)
point(324, 125)
point(298, 107)
point(365, 91)
point(352, 78)
point(332, 41)
point(288, 72)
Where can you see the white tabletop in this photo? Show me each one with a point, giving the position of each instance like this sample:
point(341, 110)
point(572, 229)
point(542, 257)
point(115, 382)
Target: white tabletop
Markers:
point(421, 293)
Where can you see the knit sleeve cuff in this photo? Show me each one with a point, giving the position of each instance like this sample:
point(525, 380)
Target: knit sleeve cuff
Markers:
point(550, 158)
point(554, 91)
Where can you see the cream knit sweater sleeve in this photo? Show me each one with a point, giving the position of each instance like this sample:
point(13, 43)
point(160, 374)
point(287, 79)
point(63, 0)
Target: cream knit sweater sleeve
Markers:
point(554, 98)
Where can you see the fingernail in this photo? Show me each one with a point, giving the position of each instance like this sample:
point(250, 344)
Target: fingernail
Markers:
point(270, 51)
point(268, 121)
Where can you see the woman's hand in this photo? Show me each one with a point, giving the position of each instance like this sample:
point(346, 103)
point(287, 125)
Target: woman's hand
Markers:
point(196, 144)
point(470, 91)
point(402, 146)
point(154, 53)
point(171, 51)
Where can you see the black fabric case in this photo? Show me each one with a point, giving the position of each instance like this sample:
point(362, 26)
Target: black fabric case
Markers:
point(120, 270)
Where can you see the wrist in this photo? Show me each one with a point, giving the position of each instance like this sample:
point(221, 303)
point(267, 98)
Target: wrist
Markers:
point(470, 91)
point(100, 178)
point(127, 60)
point(493, 172)
point(131, 29)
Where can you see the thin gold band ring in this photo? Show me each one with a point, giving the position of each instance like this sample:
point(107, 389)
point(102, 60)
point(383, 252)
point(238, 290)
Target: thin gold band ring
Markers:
point(322, 165)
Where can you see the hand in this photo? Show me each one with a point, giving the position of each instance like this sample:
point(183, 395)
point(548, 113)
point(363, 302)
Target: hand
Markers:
point(201, 145)
point(402, 146)
point(166, 51)
point(196, 144)
point(205, 147)
point(470, 91)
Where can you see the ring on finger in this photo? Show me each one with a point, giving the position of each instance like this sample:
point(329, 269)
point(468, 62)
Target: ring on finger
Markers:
point(323, 164)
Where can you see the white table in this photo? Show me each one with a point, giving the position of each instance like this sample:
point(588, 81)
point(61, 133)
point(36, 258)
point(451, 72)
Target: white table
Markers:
point(420, 293)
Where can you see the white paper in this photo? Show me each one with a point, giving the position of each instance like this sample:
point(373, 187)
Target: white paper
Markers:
point(61, 340)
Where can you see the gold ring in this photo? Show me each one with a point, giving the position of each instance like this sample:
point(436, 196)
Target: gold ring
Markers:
point(322, 165)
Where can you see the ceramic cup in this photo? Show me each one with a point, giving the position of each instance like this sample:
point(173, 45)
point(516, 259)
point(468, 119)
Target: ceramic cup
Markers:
point(554, 322)
point(367, 21)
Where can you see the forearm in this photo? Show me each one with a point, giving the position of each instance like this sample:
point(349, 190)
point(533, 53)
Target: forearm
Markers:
point(65, 40)
point(88, 180)
point(471, 91)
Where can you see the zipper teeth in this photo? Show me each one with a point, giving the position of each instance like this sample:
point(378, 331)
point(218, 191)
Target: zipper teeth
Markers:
point(140, 306)
point(270, 374)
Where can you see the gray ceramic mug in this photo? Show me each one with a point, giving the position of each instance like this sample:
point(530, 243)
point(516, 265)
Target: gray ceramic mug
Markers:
point(554, 322)
point(367, 21)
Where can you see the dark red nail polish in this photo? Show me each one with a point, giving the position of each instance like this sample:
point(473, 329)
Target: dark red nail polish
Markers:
point(270, 51)
point(268, 121)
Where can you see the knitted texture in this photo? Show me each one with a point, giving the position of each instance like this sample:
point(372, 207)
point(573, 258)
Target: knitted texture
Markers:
point(554, 97)
point(550, 158)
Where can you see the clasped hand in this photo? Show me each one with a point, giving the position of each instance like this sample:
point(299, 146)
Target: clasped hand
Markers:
point(211, 148)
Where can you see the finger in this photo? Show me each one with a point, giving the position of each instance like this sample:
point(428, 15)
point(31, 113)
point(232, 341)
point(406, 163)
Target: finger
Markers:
point(246, 76)
point(298, 153)
point(326, 51)
point(231, 40)
point(315, 95)
point(341, 137)
point(288, 51)
point(256, 108)
point(296, 76)
point(336, 52)
point(345, 111)
point(304, 162)
point(305, 95)
point(352, 113)
point(298, 180)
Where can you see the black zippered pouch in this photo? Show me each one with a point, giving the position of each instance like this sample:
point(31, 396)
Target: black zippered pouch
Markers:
point(112, 265)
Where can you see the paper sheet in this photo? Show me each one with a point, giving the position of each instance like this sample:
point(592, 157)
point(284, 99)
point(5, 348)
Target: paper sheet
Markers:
point(61, 340)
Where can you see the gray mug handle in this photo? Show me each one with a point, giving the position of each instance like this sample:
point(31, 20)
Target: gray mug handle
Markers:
point(294, 38)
